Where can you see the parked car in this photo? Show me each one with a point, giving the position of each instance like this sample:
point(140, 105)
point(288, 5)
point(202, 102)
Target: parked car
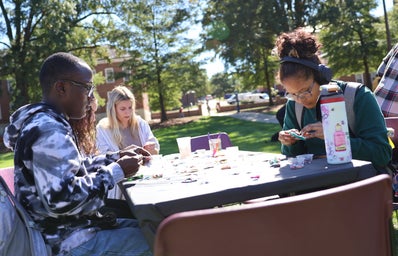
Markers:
point(232, 99)
point(257, 97)
point(249, 97)
point(228, 95)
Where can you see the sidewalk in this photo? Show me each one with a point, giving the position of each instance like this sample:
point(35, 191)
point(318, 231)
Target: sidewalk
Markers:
point(244, 115)
point(255, 117)
point(250, 116)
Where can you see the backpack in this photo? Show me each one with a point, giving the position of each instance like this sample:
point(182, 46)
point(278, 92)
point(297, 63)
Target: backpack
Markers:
point(349, 98)
point(18, 235)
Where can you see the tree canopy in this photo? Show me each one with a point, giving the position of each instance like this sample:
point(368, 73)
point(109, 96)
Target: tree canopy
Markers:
point(32, 30)
point(163, 58)
point(161, 51)
point(353, 46)
point(243, 34)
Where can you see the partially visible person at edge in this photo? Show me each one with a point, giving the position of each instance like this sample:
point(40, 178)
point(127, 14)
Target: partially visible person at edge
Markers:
point(302, 84)
point(84, 130)
point(122, 127)
point(61, 189)
point(387, 90)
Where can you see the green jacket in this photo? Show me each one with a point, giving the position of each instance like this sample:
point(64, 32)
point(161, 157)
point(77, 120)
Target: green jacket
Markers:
point(369, 139)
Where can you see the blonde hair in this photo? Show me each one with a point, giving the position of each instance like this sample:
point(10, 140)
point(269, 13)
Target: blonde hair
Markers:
point(118, 94)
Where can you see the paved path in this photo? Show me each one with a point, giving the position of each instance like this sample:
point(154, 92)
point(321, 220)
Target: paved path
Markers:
point(255, 117)
point(250, 116)
point(244, 115)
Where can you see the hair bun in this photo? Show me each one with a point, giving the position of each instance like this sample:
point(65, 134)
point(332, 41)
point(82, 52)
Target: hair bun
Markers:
point(293, 53)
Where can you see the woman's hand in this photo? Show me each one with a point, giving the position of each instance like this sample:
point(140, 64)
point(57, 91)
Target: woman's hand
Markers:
point(286, 138)
point(314, 130)
point(151, 148)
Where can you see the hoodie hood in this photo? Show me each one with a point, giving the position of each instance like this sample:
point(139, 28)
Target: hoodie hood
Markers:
point(19, 118)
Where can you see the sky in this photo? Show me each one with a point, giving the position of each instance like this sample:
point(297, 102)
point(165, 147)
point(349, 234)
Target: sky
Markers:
point(217, 65)
point(379, 10)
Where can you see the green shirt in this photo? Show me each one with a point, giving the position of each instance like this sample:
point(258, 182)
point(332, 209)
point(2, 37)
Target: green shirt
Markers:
point(368, 140)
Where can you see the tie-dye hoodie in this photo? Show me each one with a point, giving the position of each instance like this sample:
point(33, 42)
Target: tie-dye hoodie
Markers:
point(53, 181)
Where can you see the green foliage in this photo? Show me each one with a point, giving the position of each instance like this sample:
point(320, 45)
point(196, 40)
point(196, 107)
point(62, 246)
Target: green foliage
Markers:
point(243, 34)
point(162, 56)
point(393, 24)
point(222, 83)
point(32, 30)
point(161, 52)
point(351, 46)
point(245, 134)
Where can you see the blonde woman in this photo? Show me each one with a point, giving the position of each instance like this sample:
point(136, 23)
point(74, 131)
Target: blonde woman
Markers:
point(122, 128)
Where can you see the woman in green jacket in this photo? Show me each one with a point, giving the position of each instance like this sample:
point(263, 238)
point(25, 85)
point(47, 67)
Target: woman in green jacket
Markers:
point(302, 74)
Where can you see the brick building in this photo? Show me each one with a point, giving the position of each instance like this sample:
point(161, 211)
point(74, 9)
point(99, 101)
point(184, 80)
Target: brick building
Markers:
point(116, 75)
point(360, 78)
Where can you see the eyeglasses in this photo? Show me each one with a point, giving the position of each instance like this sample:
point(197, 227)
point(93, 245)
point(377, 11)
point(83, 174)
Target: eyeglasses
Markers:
point(88, 86)
point(301, 95)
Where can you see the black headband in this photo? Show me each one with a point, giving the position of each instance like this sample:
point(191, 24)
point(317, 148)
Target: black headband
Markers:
point(324, 71)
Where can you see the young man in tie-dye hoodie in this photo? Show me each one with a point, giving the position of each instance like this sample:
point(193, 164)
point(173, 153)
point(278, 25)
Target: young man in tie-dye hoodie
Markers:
point(61, 189)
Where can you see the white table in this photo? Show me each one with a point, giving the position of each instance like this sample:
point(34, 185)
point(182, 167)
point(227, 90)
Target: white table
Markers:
point(204, 182)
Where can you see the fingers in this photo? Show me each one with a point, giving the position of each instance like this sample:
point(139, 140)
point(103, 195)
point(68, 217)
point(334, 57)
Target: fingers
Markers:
point(130, 164)
point(127, 153)
point(310, 131)
point(134, 150)
point(314, 130)
point(149, 146)
point(142, 151)
point(131, 147)
point(286, 138)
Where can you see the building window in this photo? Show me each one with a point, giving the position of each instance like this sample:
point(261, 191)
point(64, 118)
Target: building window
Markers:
point(126, 74)
point(109, 75)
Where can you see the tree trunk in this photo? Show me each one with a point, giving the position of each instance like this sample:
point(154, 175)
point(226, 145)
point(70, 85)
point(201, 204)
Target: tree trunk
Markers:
point(163, 116)
point(266, 75)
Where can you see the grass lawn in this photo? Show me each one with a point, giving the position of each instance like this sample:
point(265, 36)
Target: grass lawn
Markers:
point(246, 135)
point(6, 159)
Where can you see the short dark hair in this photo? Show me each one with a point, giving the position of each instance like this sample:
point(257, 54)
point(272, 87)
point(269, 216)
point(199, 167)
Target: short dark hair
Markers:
point(57, 66)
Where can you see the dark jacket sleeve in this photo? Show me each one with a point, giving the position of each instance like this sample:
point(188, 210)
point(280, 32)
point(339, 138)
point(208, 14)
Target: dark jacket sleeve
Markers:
point(370, 142)
point(290, 122)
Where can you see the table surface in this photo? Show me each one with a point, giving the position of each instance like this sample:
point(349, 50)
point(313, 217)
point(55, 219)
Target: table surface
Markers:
point(172, 185)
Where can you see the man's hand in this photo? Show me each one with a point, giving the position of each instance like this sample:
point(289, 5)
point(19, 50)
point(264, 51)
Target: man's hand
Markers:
point(130, 164)
point(133, 150)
